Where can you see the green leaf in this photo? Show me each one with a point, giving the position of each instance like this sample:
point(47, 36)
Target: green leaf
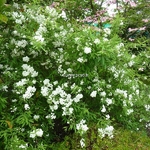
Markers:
point(3, 18)
point(2, 103)
point(2, 2)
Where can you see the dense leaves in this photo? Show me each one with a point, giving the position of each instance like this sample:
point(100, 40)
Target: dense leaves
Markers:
point(59, 76)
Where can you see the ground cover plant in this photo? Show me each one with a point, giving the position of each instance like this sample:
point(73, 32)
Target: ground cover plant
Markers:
point(123, 140)
point(61, 77)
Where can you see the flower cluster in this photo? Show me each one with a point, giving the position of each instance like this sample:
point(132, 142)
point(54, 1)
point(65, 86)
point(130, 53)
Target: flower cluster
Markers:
point(23, 146)
point(29, 92)
point(106, 131)
point(28, 70)
point(36, 132)
point(58, 97)
point(87, 50)
point(82, 127)
point(18, 17)
point(93, 94)
point(38, 34)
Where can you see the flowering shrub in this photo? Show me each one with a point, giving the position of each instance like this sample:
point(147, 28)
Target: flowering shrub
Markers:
point(58, 77)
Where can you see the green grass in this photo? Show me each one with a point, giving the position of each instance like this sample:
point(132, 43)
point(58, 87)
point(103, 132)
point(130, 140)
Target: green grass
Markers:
point(123, 140)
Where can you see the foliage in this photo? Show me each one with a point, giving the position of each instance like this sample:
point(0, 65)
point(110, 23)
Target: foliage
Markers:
point(124, 139)
point(58, 77)
point(3, 18)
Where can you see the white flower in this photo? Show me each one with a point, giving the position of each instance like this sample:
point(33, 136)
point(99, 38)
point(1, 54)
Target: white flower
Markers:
point(89, 87)
point(14, 100)
point(58, 43)
point(25, 66)
point(103, 94)
point(82, 126)
point(129, 111)
point(55, 82)
point(107, 117)
point(121, 92)
point(109, 131)
point(18, 21)
point(93, 94)
point(121, 23)
point(82, 143)
point(1, 66)
point(29, 92)
point(106, 131)
point(5, 88)
point(46, 82)
point(15, 14)
point(21, 43)
point(119, 46)
point(61, 101)
point(103, 109)
point(69, 70)
point(27, 95)
point(34, 81)
point(80, 59)
point(26, 59)
point(137, 92)
point(32, 89)
point(33, 134)
point(34, 74)
point(41, 29)
point(107, 30)
point(39, 38)
point(36, 132)
point(109, 101)
point(81, 82)
point(23, 146)
point(108, 86)
point(98, 2)
point(141, 69)
point(56, 35)
point(55, 107)
point(78, 97)
point(77, 38)
point(63, 15)
point(131, 63)
point(147, 125)
point(105, 39)
point(36, 117)
point(53, 116)
point(147, 107)
point(96, 41)
point(69, 25)
point(25, 73)
point(87, 50)
point(16, 5)
point(101, 133)
point(13, 109)
point(22, 82)
point(29, 70)
point(52, 12)
point(44, 91)
point(85, 127)
point(26, 107)
point(39, 132)
point(70, 111)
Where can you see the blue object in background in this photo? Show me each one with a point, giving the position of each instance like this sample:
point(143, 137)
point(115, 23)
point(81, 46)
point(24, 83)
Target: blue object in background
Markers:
point(95, 24)
point(106, 25)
